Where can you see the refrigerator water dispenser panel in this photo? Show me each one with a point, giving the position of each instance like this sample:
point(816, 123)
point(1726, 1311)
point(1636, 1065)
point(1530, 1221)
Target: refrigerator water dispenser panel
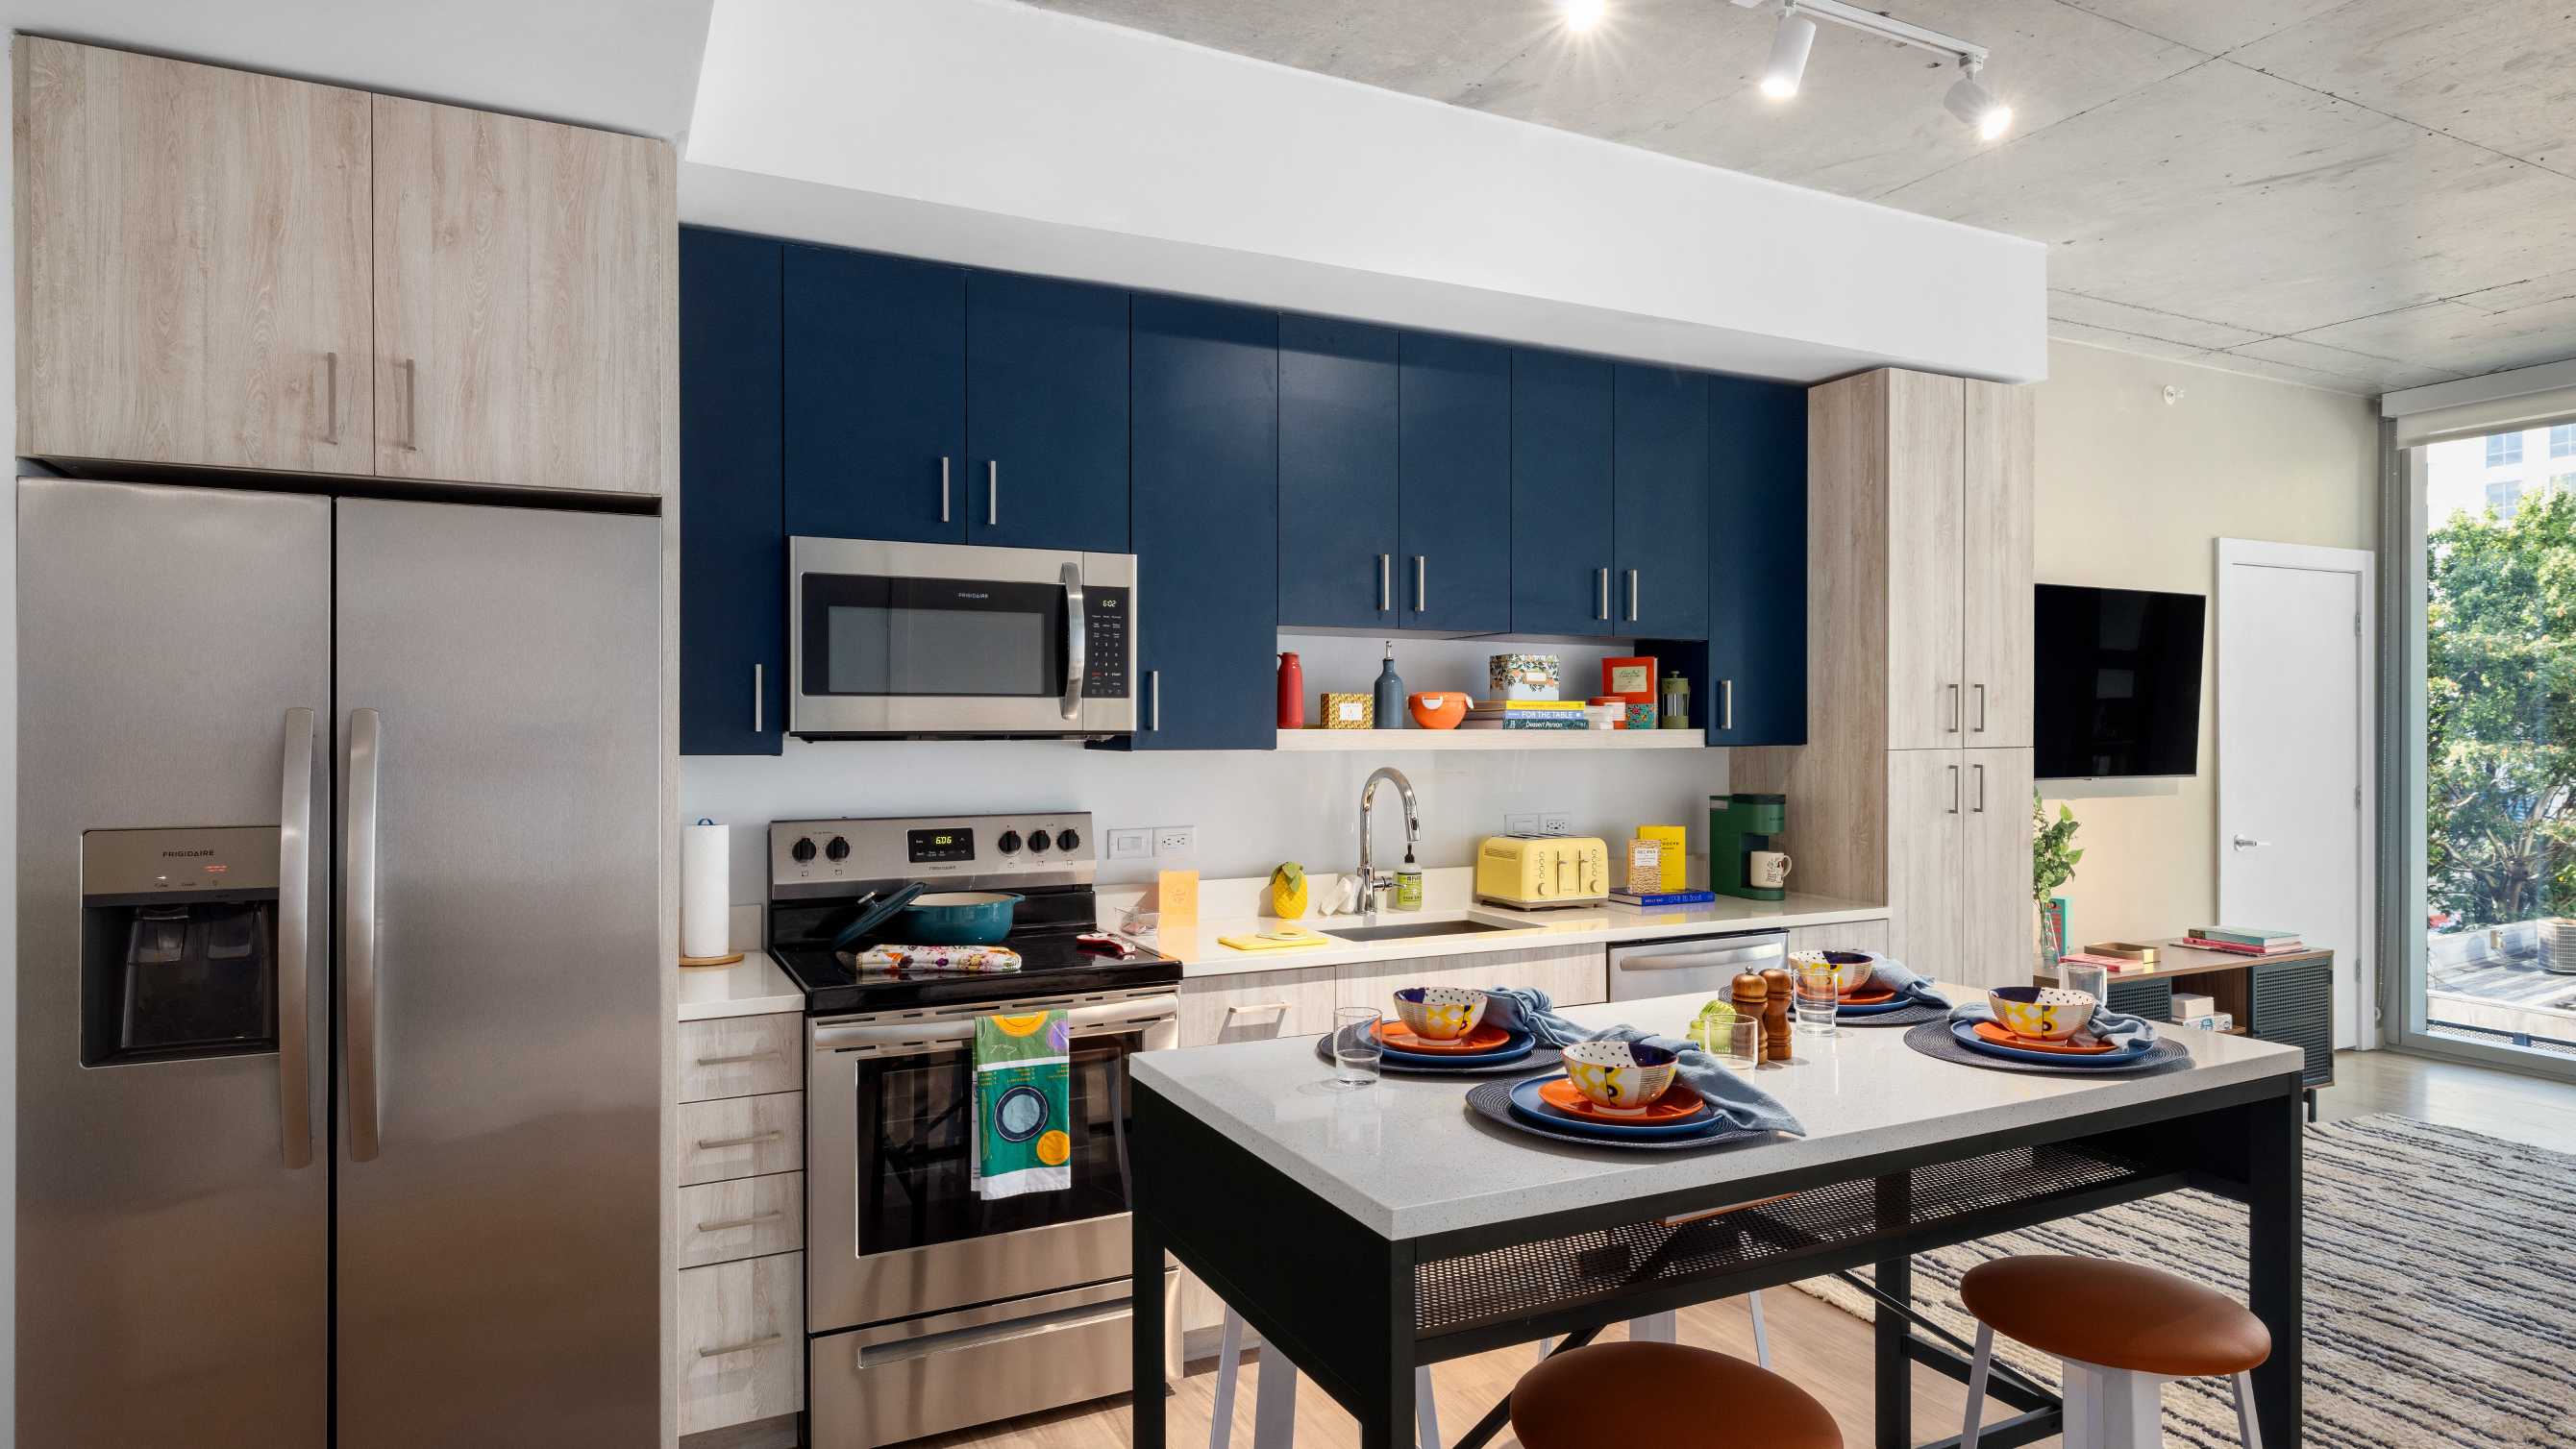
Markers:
point(178, 944)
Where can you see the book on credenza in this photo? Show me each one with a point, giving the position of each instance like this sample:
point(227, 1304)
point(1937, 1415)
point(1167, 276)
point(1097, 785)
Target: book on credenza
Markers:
point(2246, 935)
point(2239, 948)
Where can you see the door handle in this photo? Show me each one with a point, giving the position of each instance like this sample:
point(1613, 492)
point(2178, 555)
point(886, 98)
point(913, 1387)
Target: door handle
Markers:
point(365, 1001)
point(331, 399)
point(1981, 789)
point(411, 407)
point(1076, 640)
point(294, 940)
point(1604, 615)
point(1954, 789)
point(757, 691)
point(1632, 596)
point(1981, 709)
point(1385, 582)
point(943, 487)
point(2244, 842)
point(1726, 704)
point(1421, 583)
point(992, 493)
point(1954, 709)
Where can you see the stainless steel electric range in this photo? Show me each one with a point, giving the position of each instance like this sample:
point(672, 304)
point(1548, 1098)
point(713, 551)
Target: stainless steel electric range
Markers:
point(928, 1308)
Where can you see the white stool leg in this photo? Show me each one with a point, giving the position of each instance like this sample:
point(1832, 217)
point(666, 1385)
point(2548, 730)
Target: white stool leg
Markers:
point(2112, 1409)
point(1655, 1328)
point(1426, 1412)
point(1977, 1364)
point(2246, 1428)
point(1274, 1401)
point(1229, 1366)
point(1761, 1339)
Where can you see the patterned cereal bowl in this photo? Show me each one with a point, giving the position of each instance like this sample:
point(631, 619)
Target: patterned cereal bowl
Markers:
point(1440, 1013)
point(2042, 1013)
point(1619, 1078)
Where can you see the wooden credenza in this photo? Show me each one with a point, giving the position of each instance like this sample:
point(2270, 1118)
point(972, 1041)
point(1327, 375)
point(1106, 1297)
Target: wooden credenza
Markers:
point(2286, 999)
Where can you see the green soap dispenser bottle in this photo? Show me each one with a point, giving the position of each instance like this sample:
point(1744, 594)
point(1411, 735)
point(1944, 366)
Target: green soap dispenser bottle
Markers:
point(1390, 693)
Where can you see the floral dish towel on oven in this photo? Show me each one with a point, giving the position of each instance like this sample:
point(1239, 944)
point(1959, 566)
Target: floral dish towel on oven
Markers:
point(1022, 1112)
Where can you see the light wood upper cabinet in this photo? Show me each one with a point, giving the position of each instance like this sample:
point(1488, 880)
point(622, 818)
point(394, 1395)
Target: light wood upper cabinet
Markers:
point(1999, 448)
point(1925, 565)
point(193, 263)
point(526, 302)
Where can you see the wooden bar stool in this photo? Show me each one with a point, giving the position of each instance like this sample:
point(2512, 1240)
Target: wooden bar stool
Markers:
point(2121, 1330)
point(1636, 1392)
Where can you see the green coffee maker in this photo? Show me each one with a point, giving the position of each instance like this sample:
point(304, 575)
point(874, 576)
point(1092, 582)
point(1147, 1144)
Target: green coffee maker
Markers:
point(1739, 825)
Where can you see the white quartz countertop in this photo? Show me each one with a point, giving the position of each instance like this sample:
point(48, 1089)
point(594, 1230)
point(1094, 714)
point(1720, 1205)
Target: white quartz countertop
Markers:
point(1406, 1157)
point(756, 987)
point(1523, 930)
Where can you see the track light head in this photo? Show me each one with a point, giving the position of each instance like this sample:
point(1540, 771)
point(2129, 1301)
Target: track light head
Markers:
point(1975, 106)
point(1582, 15)
point(1789, 47)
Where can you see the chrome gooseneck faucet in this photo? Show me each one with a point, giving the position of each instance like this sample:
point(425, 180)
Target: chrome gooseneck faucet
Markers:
point(1371, 880)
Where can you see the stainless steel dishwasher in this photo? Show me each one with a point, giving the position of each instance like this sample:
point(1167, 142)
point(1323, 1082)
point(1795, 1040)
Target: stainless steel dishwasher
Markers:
point(1694, 964)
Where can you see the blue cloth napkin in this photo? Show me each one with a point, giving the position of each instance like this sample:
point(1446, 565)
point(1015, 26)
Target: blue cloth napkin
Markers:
point(1730, 1096)
point(1891, 973)
point(1526, 1008)
point(2111, 1026)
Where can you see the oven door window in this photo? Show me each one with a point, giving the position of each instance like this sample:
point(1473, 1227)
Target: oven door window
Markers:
point(902, 638)
point(915, 1173)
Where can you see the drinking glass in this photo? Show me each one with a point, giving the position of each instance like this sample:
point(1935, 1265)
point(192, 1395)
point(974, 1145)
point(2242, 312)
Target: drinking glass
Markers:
point(1739, 1043)
point(1819, 991)
point(2093, 981)
point(1357, 1052)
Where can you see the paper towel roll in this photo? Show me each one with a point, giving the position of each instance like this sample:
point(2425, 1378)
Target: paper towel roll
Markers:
point(705, 889)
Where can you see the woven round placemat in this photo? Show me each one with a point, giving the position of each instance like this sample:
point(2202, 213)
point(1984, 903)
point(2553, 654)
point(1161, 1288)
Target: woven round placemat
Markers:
point(1902, 1016)
point(1540, 1059)
point(1493, 1102)
point(1933, 1039)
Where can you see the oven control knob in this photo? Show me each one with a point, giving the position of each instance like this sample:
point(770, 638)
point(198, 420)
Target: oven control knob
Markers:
point(1037, 840)
point(839, 849)
point(1067, 840)
point(803, 850)
point(1010, 842)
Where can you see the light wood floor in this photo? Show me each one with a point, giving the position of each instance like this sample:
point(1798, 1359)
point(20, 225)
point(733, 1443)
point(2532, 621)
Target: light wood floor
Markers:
point(1823, 1349)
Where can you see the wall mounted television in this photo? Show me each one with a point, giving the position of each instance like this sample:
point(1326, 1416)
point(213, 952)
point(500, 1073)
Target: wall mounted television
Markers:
point(2116, 684)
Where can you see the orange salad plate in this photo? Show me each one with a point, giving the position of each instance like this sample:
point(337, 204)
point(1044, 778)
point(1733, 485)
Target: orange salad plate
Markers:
point(1867, 996)
point(2078, 1046)
point(1483, 1039)
point(1677, 1102)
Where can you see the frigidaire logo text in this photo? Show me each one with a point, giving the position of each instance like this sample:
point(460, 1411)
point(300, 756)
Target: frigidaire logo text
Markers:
point(183, 854)
point(964, 595)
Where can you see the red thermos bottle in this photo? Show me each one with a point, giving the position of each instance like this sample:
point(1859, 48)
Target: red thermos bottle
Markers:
point(1292, 693)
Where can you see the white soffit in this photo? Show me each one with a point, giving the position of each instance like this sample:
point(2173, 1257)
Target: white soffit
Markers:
point(990, 133)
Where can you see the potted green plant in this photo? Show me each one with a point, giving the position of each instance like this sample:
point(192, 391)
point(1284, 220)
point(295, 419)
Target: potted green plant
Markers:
point(2052, 863)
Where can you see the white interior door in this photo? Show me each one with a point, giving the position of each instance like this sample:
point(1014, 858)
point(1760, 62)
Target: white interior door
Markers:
point(2293, 756)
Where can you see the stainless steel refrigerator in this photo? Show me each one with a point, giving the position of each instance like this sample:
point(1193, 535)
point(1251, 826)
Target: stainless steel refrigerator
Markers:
point(339, 1051)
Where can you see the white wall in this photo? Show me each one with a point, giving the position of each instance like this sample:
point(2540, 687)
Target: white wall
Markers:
point(2133, 492)
point(994, 133)
point(1252, 810)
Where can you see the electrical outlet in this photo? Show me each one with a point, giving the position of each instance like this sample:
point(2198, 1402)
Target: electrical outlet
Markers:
point(1556, 822)
point(1520, 825)
point(1176, 840)
point(1131, 844)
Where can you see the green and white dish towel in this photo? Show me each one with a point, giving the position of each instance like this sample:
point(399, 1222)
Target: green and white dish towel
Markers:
point(1022, 1142)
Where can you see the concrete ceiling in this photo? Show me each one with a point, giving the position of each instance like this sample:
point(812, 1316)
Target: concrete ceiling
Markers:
point(2360, 195)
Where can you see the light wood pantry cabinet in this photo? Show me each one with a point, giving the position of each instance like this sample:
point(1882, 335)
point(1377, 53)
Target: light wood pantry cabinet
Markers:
point(1958, 851)
point(193, 271)
point(527, 302)
point(220, 269)
point(1998, 920)
point(1907, 427)
point(1999, 444)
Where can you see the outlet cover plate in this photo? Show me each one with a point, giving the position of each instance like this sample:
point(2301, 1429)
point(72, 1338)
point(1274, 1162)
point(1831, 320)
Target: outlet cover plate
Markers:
point(1556, 822)
point(1520, 824)
point(1179, 840)
point(1135, 844)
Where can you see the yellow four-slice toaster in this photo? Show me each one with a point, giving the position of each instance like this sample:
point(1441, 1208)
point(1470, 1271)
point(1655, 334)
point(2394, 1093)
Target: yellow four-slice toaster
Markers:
point(1537, 871)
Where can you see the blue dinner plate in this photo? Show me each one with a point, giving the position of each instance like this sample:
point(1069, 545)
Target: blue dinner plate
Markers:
point(1966, 1036)
point(1876, 1008)
point(1527, 1104)
point(1516, 1045)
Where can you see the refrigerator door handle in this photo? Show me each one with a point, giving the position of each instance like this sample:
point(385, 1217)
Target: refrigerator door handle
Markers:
point(294, 940)
point(359, 931)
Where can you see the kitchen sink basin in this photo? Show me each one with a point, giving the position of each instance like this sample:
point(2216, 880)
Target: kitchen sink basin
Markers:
point(1411, 929)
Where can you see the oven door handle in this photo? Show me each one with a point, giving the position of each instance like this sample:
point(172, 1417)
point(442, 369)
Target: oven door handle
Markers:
point(1076, 632)
point(1080, 1021)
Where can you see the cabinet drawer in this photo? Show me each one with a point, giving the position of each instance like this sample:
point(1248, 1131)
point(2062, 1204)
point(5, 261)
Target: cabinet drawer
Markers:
point(1256, 1006)
point(748, 1217)
point(741, 1342)
point(1841, 936)
point(740, 1056)
point(1570, 975)
point(741, 1137)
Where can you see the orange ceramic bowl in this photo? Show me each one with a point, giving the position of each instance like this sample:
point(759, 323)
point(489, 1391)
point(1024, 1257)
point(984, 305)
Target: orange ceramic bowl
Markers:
point(1438, 711)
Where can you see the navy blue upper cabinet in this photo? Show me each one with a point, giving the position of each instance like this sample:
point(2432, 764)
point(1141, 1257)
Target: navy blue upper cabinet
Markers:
point(1046, 414)
point(1561, 471)
point(1757, 653)
point(1337, 474)
point(1207, 525)
point(733, 571)
point(1659, 569)
point(1454, 470)
point(876, 397)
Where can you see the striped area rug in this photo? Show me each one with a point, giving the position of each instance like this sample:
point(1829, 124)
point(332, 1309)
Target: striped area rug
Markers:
point(2441, 1289)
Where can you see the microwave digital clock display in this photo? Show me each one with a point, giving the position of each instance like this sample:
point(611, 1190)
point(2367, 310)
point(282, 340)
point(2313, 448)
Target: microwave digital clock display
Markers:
point(939, 845)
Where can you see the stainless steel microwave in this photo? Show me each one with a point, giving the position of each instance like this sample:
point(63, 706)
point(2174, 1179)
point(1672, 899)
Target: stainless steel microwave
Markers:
point(941, 639)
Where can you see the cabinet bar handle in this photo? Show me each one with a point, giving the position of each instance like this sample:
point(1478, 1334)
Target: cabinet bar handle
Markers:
point(758, 689)
point(1954, 709)
point(331, 398)
point(1954, 809)
point(710, 1144)
point(1421, 584)
point(721, 1225)
point(1603, 584)
point(1726, 704)
point(943, 487)
point(411, 406)
point(1632, 596)
point(1981, 709)
point(1154, 716)
point(737, 1059)
point(1241, 1007)
point(1385, 582)
point(743, 1347)
point(993, 493)
point(1981, 788)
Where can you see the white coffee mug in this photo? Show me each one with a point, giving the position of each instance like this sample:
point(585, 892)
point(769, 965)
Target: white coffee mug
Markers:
point(1769, 869)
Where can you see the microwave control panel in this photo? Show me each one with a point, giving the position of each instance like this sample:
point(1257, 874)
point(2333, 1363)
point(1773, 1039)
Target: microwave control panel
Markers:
point(1106, 632)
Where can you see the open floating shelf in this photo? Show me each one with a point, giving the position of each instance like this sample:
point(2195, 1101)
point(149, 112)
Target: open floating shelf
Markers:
point(1463, 739)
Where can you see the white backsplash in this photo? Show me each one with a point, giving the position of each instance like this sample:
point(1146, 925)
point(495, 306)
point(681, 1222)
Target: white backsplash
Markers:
point(1251, 810)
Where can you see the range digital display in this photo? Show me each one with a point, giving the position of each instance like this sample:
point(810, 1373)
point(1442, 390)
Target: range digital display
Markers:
point(939, 845)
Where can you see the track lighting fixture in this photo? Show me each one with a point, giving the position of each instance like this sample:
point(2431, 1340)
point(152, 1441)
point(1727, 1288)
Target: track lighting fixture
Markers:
point(1969, 100)
point(1582, 15)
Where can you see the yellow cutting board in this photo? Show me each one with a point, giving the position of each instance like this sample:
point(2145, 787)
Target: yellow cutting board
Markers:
point(1292, 939)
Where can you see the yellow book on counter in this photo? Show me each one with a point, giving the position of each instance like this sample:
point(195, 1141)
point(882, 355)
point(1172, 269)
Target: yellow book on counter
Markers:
point(1287, 938)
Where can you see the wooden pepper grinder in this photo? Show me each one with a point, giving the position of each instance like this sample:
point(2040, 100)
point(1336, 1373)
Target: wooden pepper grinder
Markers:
point(1752, 999)
point(1777, 984)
